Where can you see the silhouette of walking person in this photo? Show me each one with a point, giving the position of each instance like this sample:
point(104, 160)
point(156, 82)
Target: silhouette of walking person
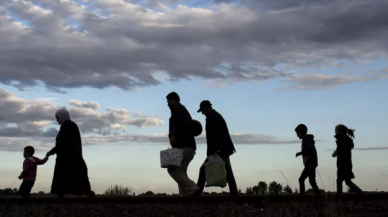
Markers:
point(71, 172)
point(218, 141)
point(29, 170)
point(344, 158)
point(181, 137)
point(310, 159)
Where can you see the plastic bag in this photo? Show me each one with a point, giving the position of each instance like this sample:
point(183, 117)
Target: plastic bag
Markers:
point(171, 158)
point(215, 172)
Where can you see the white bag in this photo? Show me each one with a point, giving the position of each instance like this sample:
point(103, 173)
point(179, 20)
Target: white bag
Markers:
point(171, 158)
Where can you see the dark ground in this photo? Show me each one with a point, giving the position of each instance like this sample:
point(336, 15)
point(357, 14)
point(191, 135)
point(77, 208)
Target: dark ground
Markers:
point(263, 205)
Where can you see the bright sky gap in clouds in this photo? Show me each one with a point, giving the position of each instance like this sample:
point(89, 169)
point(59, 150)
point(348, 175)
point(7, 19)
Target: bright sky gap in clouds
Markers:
point(265, 65)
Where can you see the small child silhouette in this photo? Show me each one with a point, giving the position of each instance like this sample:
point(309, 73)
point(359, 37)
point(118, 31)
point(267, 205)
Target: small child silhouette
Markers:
point(29, 171)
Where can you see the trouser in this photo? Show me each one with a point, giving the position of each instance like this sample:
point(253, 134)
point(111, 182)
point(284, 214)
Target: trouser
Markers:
point(353, 187)
point(25, 188)
point(309, 171)
point(185, 184)
point(229, 176)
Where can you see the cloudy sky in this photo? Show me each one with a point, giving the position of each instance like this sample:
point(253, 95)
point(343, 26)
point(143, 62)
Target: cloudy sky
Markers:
point(265, 65)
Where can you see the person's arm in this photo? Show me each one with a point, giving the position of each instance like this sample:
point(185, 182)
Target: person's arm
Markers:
point(26, 168)
point(60, 140)
point(213, 135)
point(171, 127)
point(52, 151)
point(183, 118)
point(41, 162)
point(339, 150)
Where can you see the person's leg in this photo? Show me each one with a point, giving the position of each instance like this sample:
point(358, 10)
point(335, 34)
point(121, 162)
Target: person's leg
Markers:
point(353, 186)
point(339, 185)
point(30, 186)
point(22, 189)
point(302, 178)
point(312, 180)
point(180, 176)
point(202, 177)
point(25, 188)
point(229, 176)
point(182, 191)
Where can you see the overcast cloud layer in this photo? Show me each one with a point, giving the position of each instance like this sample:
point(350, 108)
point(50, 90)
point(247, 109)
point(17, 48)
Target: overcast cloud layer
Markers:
point(62, 44)
point(32, 122)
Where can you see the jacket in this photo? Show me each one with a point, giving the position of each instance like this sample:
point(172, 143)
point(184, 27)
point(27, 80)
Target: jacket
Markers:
point(180, 129)
point(309, 152)
point(344, 156)
point(30, 167)
point(217, 135)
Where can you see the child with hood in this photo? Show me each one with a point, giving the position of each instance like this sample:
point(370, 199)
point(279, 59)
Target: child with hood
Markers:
point(310, 159)
point(29, 171)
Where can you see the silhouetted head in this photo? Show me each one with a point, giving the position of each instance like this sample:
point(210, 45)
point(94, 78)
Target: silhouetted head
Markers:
point(342, 129)
point(205, 107)
point(301, 130)
point(29, 151)
point(62, 115)
point(173, 99)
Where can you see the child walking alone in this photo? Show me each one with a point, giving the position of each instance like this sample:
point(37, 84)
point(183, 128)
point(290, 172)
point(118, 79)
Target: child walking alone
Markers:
point(29, 171)
point(310, 159)
point(344, 158)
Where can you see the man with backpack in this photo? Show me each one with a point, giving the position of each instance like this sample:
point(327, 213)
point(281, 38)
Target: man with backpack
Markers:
point(218, 142)
point(182, 137)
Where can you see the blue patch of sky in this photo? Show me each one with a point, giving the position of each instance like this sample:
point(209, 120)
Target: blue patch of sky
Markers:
point(80, 2)
point(71, 22)
point(200, 3)
point(17, 19)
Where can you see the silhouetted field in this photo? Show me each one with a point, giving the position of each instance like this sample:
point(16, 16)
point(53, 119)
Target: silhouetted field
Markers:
point(263, 205)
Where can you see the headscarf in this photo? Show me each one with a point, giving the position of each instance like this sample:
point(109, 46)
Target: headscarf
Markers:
point(62, 115)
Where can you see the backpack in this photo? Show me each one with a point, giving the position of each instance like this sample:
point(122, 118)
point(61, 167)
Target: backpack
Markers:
point(195, 127)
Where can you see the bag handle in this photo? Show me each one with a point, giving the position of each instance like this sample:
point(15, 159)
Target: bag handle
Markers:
point(218, 157)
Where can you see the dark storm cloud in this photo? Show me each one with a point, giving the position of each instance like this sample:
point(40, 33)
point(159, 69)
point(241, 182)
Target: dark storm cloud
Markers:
point(116, 43)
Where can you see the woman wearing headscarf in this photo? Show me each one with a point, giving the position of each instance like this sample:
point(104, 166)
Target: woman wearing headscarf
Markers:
point(71, 172)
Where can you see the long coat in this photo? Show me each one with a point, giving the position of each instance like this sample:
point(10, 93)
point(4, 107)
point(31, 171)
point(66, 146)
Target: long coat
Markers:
point(217, 135)
point(71, 172)
point(344, 157)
